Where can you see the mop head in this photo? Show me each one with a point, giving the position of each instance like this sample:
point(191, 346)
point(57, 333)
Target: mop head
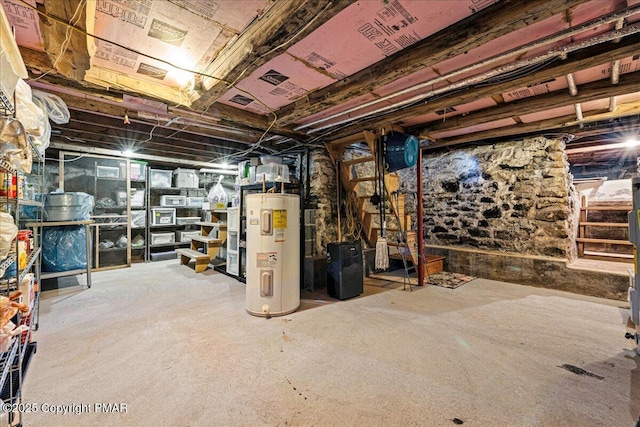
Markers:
point(382, 254)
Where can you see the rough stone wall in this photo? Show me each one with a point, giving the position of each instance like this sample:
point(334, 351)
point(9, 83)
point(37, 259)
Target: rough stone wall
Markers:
point(322, 197)
point(513, 197)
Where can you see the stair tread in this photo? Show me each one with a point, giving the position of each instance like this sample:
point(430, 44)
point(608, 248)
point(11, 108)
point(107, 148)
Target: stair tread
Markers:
point(211, 224)
point(363, 179)
point(357, 160)
point(206, 239)
point(192, 254)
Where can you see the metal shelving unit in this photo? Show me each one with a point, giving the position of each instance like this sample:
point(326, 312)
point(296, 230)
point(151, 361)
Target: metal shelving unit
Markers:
point(15, 360)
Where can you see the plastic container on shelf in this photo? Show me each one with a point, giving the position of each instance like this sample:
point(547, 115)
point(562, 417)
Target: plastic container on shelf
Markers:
point(195, 202)
point(167, 200)
point(112, 172)
point(186, 178)
point(187, 220)
point(159, 178)
point(121, 198)
point(162, 238)
point(138, 218)
point(137, 170)
point(272, 172)
point(137, 197)
point(67, 206)
point(163, 216)
point(185, 236)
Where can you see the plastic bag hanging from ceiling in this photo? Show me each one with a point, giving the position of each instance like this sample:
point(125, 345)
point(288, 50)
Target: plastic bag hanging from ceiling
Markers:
point(14, 148)
point(55, 107)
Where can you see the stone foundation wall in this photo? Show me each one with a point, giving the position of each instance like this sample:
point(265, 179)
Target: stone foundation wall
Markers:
point(322, 197)
point(512, 197)
point(538, 271)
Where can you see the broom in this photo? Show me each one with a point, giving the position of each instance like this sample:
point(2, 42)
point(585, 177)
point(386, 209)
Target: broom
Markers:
point(382, 253)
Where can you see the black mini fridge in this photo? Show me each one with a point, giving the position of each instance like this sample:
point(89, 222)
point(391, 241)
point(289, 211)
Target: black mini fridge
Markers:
point(344, 270)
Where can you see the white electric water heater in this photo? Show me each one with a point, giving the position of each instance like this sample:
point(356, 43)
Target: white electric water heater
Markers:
point(273, 253)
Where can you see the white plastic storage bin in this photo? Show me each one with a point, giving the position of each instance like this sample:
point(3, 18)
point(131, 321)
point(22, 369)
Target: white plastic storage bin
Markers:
point(272, 172)
point(186, 178)
point(137, 198)
point(173, 201)
point(112, 172)
point(137, 171)
point(139, 219)
point(163, 216)
point(233, 267)
point(233, 219)
point(195, 202)
point(162, 238)
point(159, 178)
point(184, 220)
point(185, 236)
point(121, 198)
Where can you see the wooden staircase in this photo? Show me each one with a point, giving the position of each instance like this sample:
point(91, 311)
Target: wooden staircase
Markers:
point(357, 174)
point(361, 187)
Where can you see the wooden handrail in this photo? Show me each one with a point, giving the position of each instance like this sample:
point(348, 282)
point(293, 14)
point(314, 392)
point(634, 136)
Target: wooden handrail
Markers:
point(606, 208)
point(605, 224)
point(604, 241)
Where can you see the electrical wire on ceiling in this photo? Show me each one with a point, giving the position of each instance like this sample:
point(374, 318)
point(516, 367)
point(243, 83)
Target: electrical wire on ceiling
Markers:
point(516, 74)
point(68, 160)
point(281, 45)
point(198, 73)
point(65, 44)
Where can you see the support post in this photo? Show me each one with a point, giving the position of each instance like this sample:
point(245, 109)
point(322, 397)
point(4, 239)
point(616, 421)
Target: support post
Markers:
point(421, 258)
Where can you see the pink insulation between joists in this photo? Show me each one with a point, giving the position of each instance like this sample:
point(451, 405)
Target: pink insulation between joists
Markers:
point(190, 36)
point(26, 23)
point(368, 31)
point(627, 65)
point(502, 44)
point(472, 129)
point(361, 35)
point(537, 89)
point(342, 107)
point(279, 82)
point(548, 114)
point(444, 114)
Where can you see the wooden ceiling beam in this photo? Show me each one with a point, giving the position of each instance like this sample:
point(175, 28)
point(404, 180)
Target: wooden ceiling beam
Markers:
point(254, 124)
point(157, 147)
point(564, 124)
point(67, 49)
point(282, 25)
point(171, 152)
point(109, 109)
point(490, 23)
point(584, 59)
point(78, 129)
point(600, 89)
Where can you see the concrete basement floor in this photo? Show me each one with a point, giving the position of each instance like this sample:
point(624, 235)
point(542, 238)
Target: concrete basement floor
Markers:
point(179, 349)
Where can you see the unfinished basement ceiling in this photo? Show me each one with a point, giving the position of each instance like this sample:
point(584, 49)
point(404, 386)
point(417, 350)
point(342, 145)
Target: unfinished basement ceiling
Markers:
point(205, 80)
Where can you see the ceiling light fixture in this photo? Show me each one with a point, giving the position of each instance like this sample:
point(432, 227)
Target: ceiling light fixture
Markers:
point(632, 142)
point(127, 153)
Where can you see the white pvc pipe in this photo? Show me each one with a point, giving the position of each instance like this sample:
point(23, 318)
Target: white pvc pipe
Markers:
point(558, 52)
point(513, 52)
point(573, 89)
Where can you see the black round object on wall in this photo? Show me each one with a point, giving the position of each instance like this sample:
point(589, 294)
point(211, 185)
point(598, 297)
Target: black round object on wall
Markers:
point(401, 151)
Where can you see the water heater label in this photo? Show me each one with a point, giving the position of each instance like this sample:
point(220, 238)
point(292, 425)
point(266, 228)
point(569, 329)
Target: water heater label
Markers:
point(267, 259)
point(279, 218)
point(279, 235)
